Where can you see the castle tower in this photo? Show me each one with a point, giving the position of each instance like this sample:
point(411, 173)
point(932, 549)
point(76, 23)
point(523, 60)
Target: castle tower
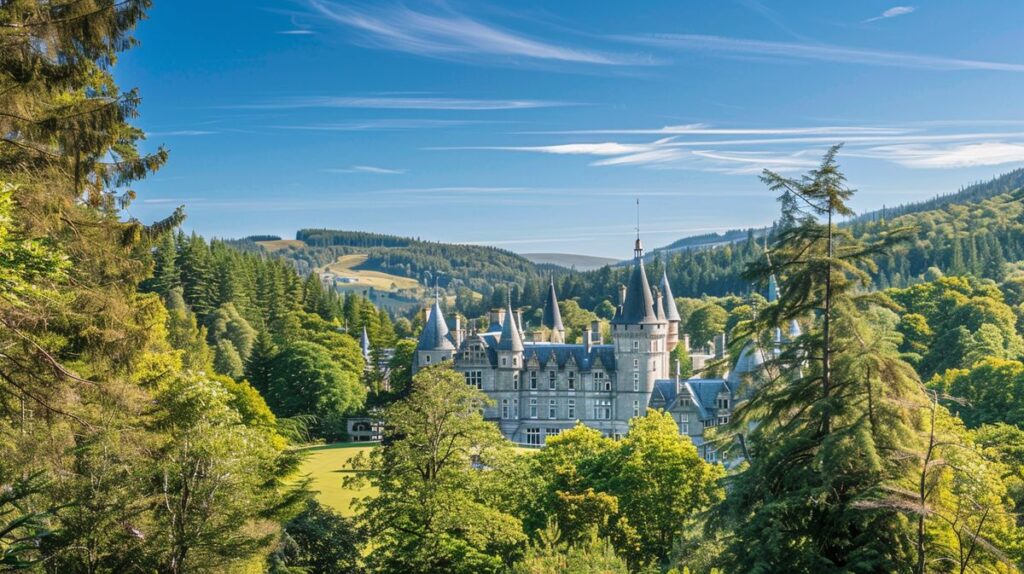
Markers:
point(640, 338)
point(435, 344)
point(552, 316)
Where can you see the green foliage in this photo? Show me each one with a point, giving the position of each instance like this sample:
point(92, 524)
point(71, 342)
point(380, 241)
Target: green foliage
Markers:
point(433, 475)
point(551, 556)
point(705, 322)
point(317, 541)
point(304, 379)
point(826, 435)
point(990, 392)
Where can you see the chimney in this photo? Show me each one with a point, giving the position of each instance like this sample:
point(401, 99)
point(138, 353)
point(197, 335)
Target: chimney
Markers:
point(720, 346)
point(686, 343)
point(595, 327)
point(588, 338)
point(622, 294)
point(458, 331)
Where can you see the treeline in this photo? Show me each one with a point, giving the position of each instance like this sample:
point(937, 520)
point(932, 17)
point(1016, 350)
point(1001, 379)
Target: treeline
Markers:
point(294, 340)
point(131, 439)
point(451, 266)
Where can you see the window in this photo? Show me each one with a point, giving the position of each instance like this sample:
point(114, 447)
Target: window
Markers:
point(515, 381)
point(548, 433)
point(684, 424)
point(533, 380)
point(684, 402)
point(504, 408)
point(708, 423)
point(552, 409)
point(636, 363)
point(533, 408)
point(602, 409)
point(636, 409)
point(533, 436)
point(572, 380)
point(515, 408)
point(636, 381)
point(602, 382)
point(428, 359)
point(723, 403)
point(475, 379)
point(723, 420)
point(504, 361)
point(636, 345)
point(571, 409)
point(552, 380)
point(515, 361)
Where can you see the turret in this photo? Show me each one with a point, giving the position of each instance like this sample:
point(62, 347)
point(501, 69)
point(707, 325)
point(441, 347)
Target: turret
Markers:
point(552, 316)
point(435, 343)
point(671, 312)
point(364, 345)
point(510, 345)
point(639, 332)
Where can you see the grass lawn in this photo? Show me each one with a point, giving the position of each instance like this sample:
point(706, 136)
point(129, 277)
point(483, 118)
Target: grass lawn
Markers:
point(277, 244)
point(345, 266)
point(328, 465)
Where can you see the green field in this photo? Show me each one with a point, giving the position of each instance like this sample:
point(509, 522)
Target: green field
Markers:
point(346, 266)
point(277, 244)
point(328, 465)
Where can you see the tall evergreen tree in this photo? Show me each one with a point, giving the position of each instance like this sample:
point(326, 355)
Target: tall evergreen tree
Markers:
point(827, 435)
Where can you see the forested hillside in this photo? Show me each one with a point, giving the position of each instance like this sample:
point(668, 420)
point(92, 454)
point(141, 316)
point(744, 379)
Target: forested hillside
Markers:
point(978, 231)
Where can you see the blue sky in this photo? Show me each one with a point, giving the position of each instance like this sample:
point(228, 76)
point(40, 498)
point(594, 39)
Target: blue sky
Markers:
point(533, 125)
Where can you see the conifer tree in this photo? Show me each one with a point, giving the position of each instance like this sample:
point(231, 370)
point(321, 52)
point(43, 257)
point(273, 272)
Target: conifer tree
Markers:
point(827, 437)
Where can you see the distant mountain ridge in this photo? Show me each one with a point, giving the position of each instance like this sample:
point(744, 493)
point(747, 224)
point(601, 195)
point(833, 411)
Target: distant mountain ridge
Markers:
point(974, 192)
point(570, 260)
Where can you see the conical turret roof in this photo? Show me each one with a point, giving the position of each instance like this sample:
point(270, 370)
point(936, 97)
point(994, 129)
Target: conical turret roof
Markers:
point(510, 340)
point(435, 333)
point(669, 301)
point(639, 305)
point(552, 316)
point(364, 343)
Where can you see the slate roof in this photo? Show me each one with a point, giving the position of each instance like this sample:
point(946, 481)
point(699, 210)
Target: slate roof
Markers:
point(511, 339)
point(552, 316)
point(435, 336)
point(638, 308)
point(669, 302)
point(703, 392)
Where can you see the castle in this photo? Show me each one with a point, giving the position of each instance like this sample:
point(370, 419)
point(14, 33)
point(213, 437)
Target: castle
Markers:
point(540, 388)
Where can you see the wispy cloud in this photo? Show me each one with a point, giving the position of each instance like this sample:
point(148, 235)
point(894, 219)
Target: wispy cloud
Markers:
point(298, 32)
point(722, 45)
point(385, 124)
point(704, 129)
point(366, 169)
point(180, 133)
point(891, 13)
point(450, 35)
point(951, 156)
point(399, 103)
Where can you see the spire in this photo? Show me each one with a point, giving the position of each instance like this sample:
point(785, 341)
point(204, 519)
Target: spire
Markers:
point(638, 248)
point(552, 318)
point(639, 304)
point(364, 344)
point(435, 332)
point(669, 302)
point(510, 340)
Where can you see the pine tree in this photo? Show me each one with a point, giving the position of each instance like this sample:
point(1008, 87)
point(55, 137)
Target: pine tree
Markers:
point(826, 436)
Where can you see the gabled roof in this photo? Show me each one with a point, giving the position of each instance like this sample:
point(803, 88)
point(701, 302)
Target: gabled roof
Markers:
point(669, 301)
point(552, 316)
point(434, 336)
point(639, 305)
